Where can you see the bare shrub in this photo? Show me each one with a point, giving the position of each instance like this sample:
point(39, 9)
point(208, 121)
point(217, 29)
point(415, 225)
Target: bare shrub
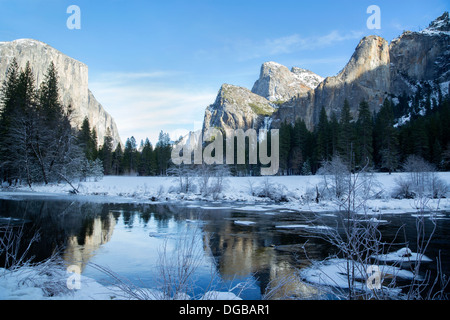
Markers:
point(403, 189)
point(438, 187)
point(419, 171)
point(49, 275)
point(335, 175)
point(219, 181)
point(422, 180)
point(211, 179)
point(185, 178)
point(270, 190)
point(10, 245)
point(251, 186)
point(359, 244)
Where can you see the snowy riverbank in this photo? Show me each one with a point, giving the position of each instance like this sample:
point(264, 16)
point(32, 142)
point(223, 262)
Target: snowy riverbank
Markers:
point(242, 193)
point(296, 192)
point(52, 282)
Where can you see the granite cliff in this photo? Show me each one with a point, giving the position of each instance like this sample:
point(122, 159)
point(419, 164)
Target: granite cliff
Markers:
point(73, 81)
point(237, 107)
point(377, 70)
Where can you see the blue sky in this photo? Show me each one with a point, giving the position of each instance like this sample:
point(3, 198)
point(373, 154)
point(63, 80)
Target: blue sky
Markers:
point(156, 65)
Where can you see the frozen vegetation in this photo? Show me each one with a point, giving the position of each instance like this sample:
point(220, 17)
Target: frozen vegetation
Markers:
point(389, 193)
point(363, 198)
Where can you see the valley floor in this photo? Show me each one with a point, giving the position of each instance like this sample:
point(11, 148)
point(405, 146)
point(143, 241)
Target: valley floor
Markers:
point(295, 192)
point(298, 193)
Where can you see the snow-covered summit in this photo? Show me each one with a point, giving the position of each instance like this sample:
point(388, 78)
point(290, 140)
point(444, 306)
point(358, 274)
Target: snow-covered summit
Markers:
point(307, 77)
point(277, 83)
point(439, 26)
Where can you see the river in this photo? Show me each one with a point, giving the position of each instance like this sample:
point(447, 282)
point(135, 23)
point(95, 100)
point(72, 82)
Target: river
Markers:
point(236, 247)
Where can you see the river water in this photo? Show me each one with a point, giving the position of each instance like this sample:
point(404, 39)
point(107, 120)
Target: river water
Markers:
point(231, 244)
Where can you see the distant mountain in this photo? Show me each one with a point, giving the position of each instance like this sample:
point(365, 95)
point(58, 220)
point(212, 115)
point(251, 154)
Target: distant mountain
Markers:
point(414, 62)
point(237, 107)
point(73, 81)
point(277, 83)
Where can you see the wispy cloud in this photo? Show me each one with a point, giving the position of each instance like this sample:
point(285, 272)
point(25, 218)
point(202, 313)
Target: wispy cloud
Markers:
point(296, 42)
point(142, 109)
point(144, 103)
point(249, 49)
point(123, 77)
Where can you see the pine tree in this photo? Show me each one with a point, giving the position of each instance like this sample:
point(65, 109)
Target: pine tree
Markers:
point(23, 123)
point(419, 139)
point(107, 152)
point(130, 163)
point(163, 151)
point(334, 134)
point(146, 159)
point(324, 146)
point(49, 104)
point(94, 144)
point(364, 129)
point(8, 104)
point(296, 158)
point(8, 95)
point(87, 140)
point(117, 160)
point(346, 135)
point(385, 138)
point(285, 146)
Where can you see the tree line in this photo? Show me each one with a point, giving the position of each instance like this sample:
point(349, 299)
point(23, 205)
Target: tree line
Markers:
point(37, 140)
point(376, 140)
point(39, 145)
point(144, 160)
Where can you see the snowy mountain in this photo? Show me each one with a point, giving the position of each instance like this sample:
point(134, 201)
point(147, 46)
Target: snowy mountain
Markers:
point(414, 62)
point(277, 83)
point(440, 26)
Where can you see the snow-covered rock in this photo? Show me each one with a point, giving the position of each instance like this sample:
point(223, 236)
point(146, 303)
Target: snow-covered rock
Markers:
point(278, 84)
point(402, 255)
point(237, 108)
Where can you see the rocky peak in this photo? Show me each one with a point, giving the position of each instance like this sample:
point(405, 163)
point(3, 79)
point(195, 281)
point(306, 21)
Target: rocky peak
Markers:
point(441, 24)
point(237, 107)
point(277, 83)
point(371, 54)
point(365, 77)
point(376, 70)
point(73, 81)
point(421, 56)
point(307, 77)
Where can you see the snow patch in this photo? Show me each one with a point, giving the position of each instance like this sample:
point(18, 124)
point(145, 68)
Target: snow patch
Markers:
point(402, 255)
point(303, 226)
point(333, 272)
point(244, 223)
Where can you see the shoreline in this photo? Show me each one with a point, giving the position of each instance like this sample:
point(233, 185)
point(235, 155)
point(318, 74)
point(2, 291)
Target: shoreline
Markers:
point(237, 192)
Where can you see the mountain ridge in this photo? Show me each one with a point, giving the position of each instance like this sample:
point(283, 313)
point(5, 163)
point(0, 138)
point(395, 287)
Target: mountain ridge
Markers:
point(377, 70)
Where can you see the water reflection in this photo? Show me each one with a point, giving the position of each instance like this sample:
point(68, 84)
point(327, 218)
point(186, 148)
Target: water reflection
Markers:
point(127, 238)
point(80, 248)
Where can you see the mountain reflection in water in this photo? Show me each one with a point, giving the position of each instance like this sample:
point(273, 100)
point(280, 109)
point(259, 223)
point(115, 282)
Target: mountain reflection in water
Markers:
point(128, 237)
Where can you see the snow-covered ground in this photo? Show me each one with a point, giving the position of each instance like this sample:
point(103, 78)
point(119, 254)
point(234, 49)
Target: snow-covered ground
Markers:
point(239, 192)
point(30, 283)
point(36, 283)
point(298, 192)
